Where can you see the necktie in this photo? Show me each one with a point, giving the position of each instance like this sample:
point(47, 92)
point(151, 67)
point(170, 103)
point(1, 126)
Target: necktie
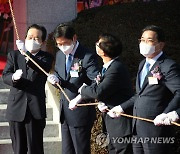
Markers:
point(103, 71)
point(68, 63)
point(144, 73)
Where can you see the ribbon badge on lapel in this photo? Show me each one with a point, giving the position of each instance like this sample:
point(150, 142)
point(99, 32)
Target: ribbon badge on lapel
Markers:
point(156, 72)
point(157, 75)
point(77, 65)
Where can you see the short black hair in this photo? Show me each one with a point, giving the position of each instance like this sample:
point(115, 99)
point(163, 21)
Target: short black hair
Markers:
point(65, 30)
point(110, 44)
point(41, 28)
point(158, 30)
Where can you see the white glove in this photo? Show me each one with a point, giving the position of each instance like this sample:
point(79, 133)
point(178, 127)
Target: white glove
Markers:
point(102, 107)
point(79, 90)
point(167, 121)
point(74, 102)
point(17, 75)
point(173, 116)
point(115, 112)
point(112, 114)
point(159, 120)
point(52, 79)
point(21, 46)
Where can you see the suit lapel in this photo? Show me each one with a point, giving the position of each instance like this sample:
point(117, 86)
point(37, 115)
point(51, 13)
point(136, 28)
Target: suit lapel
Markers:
point(138, 75)
point(113, 63)
point(22, 64)
point(60, 66)
point(157, 63)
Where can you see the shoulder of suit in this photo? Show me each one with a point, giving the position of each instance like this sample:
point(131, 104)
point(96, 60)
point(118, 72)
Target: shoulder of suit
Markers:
point(118, 65)
point(83, 52)
point(167, 60)
point(59, 52)
point(47, 54)
point(118, 62)
point(84, 49)
point(14, 53)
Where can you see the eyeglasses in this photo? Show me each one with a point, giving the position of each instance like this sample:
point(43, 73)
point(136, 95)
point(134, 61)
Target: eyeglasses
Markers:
point(148, 41)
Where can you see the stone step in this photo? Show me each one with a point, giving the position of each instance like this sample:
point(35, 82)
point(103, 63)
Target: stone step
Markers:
point(3, 108)
point(51, 130)
point(3, 112)
point(4, 93)
point(52, 145)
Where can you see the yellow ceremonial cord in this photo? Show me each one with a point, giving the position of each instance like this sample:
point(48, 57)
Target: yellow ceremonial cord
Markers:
point(88, 104)
point(17, 35)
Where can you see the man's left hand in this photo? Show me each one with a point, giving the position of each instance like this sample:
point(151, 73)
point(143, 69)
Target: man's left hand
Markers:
point(115, 112)
point(73, 103)
point(159, 120)
point(171, 117)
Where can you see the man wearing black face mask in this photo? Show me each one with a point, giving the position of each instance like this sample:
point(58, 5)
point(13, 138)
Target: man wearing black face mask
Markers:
point(26, 110)
point(74, 66)
point(157, 96)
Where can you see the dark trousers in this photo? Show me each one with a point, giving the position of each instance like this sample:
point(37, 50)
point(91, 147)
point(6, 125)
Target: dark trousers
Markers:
point(27, 136)
point(140, 146)
point(120, 146)
point(75, 140)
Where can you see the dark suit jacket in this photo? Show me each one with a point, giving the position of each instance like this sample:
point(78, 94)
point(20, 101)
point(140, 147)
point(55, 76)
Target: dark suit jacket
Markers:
point(113, 89)
point(152, 100)
point(30, 89)
point(87, 60)
point(178, 112)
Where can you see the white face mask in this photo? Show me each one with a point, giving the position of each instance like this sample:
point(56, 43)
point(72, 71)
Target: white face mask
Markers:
point(66, 49)
point(32, 45)
point(146, 49)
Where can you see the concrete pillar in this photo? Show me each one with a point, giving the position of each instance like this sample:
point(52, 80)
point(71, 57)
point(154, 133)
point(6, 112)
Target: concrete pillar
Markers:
point(48, 13)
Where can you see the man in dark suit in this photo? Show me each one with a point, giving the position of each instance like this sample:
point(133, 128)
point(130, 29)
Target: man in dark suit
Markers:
point(112, 88)
point(157, 94)
point(74, 66)
point(26, 109)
